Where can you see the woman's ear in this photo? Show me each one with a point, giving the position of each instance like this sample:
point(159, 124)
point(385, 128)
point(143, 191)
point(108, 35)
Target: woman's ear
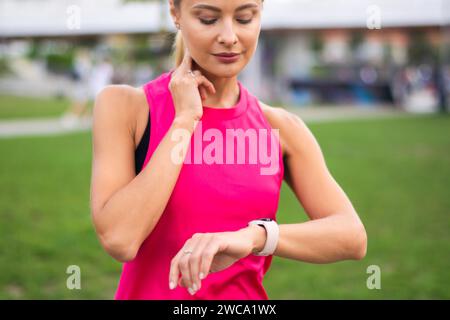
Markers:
point(173, 11)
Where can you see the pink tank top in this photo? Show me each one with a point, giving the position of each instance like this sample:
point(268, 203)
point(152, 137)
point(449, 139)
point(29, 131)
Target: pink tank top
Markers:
point(214, 193)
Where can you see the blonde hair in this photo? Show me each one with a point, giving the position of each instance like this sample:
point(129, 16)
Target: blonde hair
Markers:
point(178, 44)
point(178, 49)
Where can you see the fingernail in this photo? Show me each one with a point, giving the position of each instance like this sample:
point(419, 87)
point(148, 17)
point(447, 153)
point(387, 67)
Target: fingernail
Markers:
point(202, 276)
point(171, 285)
point(192, 292)
point(195, 287)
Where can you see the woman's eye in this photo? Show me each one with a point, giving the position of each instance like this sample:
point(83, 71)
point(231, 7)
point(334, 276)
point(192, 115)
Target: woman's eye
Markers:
point(208, 21)
point(244, 21)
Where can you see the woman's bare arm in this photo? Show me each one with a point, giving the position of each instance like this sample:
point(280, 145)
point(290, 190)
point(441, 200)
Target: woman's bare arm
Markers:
point(125, 208)
point(335, 231)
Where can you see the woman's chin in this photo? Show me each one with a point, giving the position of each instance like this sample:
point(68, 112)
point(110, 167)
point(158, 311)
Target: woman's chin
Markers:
point(223, 71)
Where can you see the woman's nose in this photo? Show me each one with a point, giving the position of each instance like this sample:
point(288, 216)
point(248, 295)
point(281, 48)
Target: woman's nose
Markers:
point(227, 35)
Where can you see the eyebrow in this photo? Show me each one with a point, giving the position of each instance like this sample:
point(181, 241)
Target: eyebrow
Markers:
point(216, 9)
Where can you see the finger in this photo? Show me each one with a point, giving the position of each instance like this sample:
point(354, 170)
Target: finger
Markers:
point(202, 92)
point(196, 260)
point(186, 63)
point(201, 88)
point(208, 84)
point(174, 273)
point(208, 255)
point(211, 88)
point(183, 264)
point(202, 80)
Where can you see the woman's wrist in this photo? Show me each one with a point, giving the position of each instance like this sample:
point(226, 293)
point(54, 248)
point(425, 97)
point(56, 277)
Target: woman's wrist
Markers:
point(185, 122)
point(258, 237)
point(187, 116)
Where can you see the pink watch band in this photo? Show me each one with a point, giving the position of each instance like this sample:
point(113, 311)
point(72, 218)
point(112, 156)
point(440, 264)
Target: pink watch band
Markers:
point(272, 231)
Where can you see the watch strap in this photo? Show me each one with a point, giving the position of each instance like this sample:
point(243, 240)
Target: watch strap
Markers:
point(272, 232)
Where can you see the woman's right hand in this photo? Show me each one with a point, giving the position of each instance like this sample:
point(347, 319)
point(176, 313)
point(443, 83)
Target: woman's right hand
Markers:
point(187, 91)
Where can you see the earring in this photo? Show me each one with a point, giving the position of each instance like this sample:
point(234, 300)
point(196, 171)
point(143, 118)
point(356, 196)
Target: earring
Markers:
point(177, 25)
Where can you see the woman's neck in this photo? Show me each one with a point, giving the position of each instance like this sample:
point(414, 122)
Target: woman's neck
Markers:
point(227, 92)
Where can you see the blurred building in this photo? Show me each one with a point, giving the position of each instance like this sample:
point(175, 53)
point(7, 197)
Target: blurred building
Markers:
point(310, 51)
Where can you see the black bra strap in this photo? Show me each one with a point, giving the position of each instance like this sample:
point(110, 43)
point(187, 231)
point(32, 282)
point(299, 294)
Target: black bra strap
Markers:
point(141, 150)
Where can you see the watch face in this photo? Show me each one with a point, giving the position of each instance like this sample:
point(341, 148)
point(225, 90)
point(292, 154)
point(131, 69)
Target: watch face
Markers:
point(266, 219)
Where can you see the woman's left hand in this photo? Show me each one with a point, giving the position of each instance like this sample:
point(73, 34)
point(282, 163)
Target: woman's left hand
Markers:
point(211, 252)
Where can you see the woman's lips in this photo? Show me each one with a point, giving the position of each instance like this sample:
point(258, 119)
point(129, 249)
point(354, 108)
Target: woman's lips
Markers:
point(227, 58)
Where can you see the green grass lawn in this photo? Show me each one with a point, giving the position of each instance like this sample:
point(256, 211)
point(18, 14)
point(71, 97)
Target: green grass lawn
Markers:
point(396, 172)
point(14, 107)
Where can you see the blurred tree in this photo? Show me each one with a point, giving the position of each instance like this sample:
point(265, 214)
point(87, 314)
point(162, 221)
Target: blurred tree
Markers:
point(4, 66)
point(60, 63)
point(316, 44)
point(155, 48)
point(35, 49)
point(420, 50)
point(356, 40)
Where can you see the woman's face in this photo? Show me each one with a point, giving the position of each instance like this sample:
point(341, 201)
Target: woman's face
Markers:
point(210, 27)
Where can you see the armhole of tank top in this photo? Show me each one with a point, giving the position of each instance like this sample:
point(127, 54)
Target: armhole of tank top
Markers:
point(142, 147)
point(151, 118)
point(280, 150)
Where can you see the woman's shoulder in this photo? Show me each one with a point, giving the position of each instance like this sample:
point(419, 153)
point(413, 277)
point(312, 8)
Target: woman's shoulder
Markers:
point(120, 97)
point(291, 126)
point(274, 113)
point(126, 105)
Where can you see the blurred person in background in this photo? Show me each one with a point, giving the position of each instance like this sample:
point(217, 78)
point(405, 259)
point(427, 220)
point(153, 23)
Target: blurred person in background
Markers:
point(89, 79)
point(101, 76)
point(79, 95)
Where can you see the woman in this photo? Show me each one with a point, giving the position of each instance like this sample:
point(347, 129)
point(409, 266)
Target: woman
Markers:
point(186, 229)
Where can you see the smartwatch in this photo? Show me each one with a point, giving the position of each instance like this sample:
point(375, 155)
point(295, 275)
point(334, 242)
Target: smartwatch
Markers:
point(272, 232)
